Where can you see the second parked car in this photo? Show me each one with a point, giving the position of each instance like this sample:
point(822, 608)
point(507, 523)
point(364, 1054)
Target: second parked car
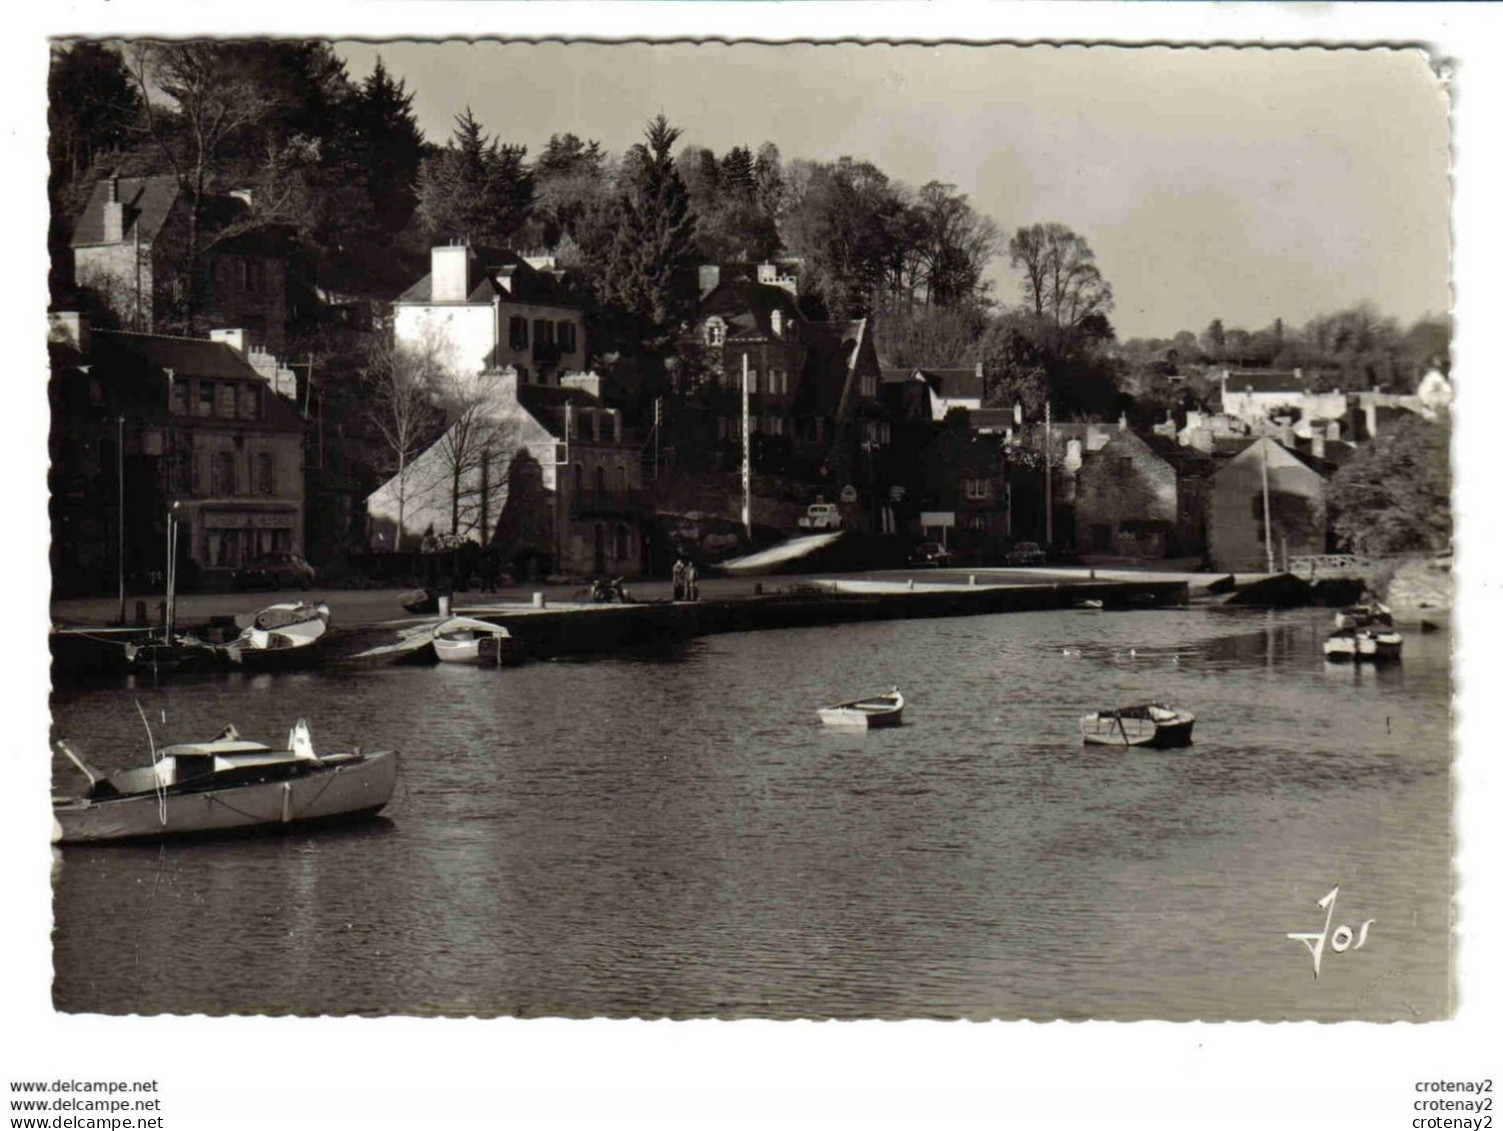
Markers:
point(931, 554)
point(1025, 554)
point(275, 571)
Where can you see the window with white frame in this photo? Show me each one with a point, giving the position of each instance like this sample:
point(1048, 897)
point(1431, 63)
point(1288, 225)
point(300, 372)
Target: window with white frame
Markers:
point(978, 488)
point(714, 332)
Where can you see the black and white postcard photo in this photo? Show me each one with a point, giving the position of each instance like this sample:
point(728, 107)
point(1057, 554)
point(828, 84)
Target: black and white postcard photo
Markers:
point(590, 532)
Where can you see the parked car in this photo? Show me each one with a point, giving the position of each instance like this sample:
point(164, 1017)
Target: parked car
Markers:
point(821, 516)
point(931, 554)
point(275, 571)
point(1025, 554)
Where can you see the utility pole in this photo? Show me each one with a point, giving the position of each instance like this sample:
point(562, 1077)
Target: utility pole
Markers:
point(1048, 476)
point(1267, 520)
point(746, 446)
point(120, 507)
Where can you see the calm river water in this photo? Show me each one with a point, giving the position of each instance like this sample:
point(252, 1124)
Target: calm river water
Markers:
point(678, 836)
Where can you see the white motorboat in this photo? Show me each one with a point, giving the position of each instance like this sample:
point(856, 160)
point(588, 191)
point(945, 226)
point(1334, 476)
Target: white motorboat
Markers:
point(225, 784)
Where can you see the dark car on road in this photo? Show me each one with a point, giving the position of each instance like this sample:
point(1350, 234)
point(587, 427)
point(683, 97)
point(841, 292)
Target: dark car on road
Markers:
point(1025, 554)
point(275, 571)
point(931, 554)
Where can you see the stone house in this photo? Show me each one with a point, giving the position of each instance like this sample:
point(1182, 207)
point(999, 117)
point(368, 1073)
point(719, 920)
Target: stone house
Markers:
point(965, 483)
point(1296, 512)
point(194, 426)
point(546, 473)
point(494, 311)
point(818, 413)
point(1141, 496)
point(130, 249)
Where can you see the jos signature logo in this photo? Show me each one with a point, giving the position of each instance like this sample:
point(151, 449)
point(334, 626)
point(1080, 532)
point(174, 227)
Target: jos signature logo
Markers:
point(1341, 939)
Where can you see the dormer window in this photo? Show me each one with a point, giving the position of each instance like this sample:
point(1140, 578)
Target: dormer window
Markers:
point(777, 323)
point(715, 331)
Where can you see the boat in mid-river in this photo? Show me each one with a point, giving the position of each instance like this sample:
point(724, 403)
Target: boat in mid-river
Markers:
point(865, 714)
point(225, 784)
point(1147, 724)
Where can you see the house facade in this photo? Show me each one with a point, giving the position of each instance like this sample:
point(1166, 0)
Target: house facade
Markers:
point(549, 476)
point(1141, 496)
point(493, 311)
point(965, 501)
point(192, 426)
point(818, 412)
point(1238, 531)
point(130, 249)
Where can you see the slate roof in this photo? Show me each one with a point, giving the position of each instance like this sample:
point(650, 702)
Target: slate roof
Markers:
point(122, 351)
point(493, 265)
point(147, 200)
point(955, 384)
point(746, 308)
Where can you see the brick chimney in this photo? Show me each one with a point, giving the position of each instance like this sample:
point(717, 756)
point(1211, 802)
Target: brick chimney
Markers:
point(451, 273)
point(235, 339)
point(114, 212)
point(588, 382)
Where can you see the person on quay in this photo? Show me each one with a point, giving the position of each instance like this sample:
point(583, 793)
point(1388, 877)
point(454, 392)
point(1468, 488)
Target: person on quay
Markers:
point(678, 578)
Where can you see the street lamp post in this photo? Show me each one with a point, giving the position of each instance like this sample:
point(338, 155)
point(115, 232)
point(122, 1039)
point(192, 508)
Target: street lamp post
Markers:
point(120, 508)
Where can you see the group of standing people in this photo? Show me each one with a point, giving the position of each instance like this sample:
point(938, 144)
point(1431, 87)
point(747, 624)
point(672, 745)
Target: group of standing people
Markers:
point(685, 580)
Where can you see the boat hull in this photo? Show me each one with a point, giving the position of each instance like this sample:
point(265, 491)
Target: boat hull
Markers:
point(1107, 730)
point(1381, 647)
point(338, 790)
point(853, 719)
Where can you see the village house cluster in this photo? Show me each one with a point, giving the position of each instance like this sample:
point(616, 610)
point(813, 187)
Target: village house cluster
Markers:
point(579, 474)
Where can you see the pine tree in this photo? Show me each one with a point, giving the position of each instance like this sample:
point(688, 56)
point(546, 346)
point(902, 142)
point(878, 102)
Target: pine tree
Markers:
point(654, 240)
point(475, 188)
point(388, 146)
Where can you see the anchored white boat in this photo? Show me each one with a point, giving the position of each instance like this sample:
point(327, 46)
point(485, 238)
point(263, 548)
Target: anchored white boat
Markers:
point(865, 714)
point(281, 635)
point(466, 640)
point(224, 784)
point(1146, 724)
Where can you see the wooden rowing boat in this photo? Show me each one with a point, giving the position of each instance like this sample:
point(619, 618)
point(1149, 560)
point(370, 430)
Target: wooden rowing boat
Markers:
point(281, 636)
point(467, 640)
point(1145, 724)
point(866, 714)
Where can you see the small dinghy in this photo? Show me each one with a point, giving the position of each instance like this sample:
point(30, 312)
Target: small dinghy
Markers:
point(225, 784)
point(279, 636)
point(466, 640)
point(865, 714)
point(1147, 724)
point(1376, 645)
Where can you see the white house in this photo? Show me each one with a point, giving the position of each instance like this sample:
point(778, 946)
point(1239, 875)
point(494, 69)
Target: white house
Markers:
point(497, 312)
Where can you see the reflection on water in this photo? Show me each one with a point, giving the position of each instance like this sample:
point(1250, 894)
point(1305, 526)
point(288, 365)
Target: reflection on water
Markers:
point(675, 834)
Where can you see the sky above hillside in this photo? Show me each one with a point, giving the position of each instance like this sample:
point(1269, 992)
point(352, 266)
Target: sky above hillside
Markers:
point(1212, 183)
